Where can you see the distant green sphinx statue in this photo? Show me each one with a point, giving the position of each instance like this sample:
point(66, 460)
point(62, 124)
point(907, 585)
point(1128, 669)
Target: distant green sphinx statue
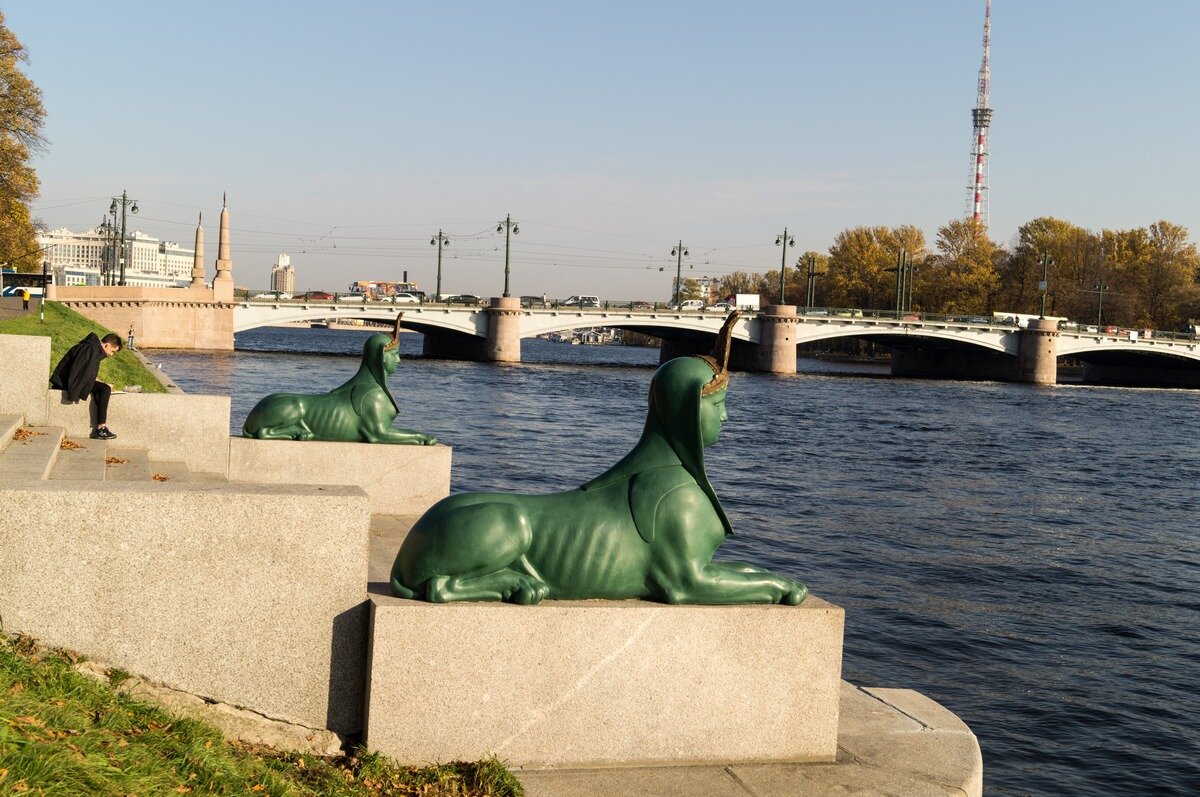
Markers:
point(360, 411)
point(647, 528)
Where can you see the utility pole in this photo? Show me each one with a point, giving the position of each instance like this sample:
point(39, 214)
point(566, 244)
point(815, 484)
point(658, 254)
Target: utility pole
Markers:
point(1101, 287)
point(509, 228)
point(810, 296)
point(908, 257)
point(440, 241)
point(1045, 283)
point(783, 241)
point(125, 202)
point(679, 253)
point(902, 276)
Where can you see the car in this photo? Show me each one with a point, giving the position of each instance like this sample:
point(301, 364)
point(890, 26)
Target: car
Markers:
point(318, 296)
point(404, 298)
point(719, 307)
point(580, 301)
point(688, 304)
point(533, 301)
point(464, 298)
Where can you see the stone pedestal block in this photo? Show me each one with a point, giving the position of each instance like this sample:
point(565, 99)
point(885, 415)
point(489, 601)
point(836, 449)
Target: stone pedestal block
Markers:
point(504, 330)
point(593, 683)
point(26, 373)
point(398, 480)
point(247, 594)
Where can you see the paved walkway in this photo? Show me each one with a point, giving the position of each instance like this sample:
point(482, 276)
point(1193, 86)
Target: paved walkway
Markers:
point(890, 742)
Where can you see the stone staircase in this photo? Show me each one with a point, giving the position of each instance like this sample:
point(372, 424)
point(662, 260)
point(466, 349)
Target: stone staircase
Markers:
point(47, 453)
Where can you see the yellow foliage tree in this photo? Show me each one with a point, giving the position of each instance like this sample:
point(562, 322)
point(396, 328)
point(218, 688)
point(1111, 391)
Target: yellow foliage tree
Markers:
point(21, 117)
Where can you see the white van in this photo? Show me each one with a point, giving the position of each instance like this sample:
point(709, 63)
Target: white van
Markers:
point(689, 304)
point(581, 301)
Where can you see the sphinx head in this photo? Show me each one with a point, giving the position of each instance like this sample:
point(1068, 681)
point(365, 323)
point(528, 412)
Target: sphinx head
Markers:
point(687, 400)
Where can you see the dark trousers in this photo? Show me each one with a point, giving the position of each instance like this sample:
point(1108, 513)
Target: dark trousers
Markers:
point(100, 394)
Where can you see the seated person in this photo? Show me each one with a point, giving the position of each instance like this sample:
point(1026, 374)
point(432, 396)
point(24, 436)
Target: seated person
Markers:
point(75, 375)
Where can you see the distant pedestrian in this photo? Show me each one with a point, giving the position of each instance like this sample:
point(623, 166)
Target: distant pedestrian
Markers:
point(75, 375)
point(131, 337)
point(25, 299)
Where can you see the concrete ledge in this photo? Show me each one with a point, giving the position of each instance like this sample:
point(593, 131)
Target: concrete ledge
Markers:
point(398, 480)
point(249, 595)
point(175, 428)
point(601, 683)
point(26, 374)
point(890, 741)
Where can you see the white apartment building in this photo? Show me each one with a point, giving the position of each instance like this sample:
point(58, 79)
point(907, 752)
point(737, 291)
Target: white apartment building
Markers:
point(85, 258)
point(283, 276)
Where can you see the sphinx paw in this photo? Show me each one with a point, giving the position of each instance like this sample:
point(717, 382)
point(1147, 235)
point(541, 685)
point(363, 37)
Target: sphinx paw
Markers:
point(527, 591)
point(793, 596)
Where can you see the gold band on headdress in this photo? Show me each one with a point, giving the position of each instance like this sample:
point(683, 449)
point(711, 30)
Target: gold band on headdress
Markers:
point(719, 361)
point(395, 334)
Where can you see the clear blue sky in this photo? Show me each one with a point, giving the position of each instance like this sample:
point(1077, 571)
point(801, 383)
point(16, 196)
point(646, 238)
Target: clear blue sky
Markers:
point(347, 133)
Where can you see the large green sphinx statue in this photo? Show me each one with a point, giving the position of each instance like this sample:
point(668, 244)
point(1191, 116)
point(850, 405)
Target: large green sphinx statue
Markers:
point(646, 528)
point(360, 411)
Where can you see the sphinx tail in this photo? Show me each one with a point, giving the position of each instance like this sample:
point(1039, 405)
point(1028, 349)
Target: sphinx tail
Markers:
point(401, 591)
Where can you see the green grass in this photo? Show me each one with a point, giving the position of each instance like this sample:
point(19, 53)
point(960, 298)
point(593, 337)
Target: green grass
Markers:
point(65, 328)
point(64, 735)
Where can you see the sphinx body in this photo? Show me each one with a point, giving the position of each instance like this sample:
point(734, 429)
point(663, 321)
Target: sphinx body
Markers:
point(646, 528)
point(360, 411)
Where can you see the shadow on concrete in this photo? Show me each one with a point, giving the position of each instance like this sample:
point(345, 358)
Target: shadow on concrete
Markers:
point(348, 671)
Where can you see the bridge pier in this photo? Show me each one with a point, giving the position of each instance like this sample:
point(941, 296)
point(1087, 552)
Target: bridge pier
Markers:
point(777, 339)
point(1037, 352)
point(503, 330)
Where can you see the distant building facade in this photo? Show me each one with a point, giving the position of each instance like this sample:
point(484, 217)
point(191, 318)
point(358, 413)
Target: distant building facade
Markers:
point(91, 258)
point(283, 276)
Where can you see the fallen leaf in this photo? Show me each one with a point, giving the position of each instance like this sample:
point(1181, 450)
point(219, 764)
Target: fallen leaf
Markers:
point(158, 477)
point(115, 461)
point(69, 445)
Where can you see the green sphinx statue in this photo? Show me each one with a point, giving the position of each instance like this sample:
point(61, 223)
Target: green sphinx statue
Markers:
point(646, 528)
point(360, 411)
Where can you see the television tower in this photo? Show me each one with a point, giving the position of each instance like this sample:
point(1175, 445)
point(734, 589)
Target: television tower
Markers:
point(981, 118)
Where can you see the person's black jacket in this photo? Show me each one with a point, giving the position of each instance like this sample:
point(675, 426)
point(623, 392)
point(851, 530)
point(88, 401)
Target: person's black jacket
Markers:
point(76, 371)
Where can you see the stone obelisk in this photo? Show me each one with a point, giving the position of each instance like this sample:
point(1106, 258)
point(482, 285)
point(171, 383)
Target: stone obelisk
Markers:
point(198, 258)
point(223, 282)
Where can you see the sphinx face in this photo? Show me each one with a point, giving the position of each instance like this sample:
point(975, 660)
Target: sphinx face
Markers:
point(712, 417)
point(391, 360)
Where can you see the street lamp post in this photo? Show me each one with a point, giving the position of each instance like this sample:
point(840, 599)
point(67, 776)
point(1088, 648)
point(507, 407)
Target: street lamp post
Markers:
point(440, 241)
point(123, 202)
point(1101, 287)
point(509, 228)
point(783, 241)
point(680, 252)
point(106, 257)
point(1045, 283)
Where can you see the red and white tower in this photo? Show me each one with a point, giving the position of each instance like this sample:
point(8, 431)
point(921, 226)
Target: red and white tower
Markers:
point(981, 118)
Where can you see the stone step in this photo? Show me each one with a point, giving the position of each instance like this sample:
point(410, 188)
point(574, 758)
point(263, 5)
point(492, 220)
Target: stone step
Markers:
point(170, 472)
point(127, 465)
point(201, 476)
point(31, 453)
point(9, 424)
point(80, 459)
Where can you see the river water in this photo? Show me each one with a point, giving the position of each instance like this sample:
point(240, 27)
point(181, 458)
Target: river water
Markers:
point(1026, 556)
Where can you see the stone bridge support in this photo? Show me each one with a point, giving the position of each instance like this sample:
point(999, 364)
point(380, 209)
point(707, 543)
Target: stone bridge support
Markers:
point(777, 339)
point(501, 345)
point(1036, 361)
point(1037, 352)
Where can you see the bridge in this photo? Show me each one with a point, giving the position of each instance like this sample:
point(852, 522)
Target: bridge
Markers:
point(922, 345)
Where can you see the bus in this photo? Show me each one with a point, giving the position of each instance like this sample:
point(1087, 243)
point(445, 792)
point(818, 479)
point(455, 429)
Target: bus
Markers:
point(12, 283)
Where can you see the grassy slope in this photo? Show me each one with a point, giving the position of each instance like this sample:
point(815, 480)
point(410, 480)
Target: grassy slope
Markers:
point(65, 735)
point(65, 328)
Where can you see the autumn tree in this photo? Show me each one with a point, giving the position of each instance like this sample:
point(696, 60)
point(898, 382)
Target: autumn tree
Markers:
point(1074, 261)
point(21, 118)
point(961, 276)
point(741, 282)
point(862, 264)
